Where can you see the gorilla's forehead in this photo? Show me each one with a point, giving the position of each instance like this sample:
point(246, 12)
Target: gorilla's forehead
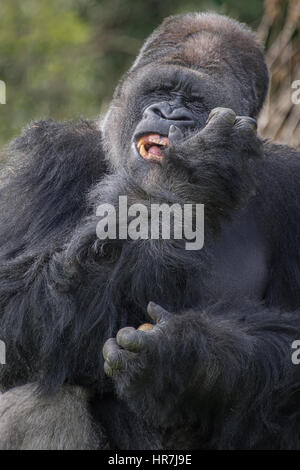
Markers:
point(217, 55)
point(200, 53)
point(197, 52)
point(171, 71)
point(196, 39)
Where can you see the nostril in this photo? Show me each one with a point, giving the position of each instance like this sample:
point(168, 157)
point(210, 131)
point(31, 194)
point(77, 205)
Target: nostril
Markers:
point(162, 113)
point(165, 111)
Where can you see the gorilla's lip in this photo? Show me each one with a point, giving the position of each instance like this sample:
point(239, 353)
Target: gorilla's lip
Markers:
point(150, 146)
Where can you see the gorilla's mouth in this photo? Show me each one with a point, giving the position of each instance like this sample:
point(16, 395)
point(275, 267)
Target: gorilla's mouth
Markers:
point(150, 146)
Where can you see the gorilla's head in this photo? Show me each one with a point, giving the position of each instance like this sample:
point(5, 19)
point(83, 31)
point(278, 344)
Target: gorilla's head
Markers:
point(190, 64)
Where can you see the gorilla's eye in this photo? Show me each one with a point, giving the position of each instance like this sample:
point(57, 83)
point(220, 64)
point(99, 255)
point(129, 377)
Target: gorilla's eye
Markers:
point(162, 88)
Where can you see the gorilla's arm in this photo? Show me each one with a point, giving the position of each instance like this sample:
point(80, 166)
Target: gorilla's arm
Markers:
point(231, 366)
point(212, 372)
point(57, 422)
point(42, 199)
point(45, 182)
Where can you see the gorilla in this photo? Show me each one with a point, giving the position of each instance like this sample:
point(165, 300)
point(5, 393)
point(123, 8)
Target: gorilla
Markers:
point(215, 369)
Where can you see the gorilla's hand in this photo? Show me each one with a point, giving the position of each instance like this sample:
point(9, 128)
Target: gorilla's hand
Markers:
point(218, 161)
point(224, 132)
point(149, 366)
point(154, 371)
point(133, 351)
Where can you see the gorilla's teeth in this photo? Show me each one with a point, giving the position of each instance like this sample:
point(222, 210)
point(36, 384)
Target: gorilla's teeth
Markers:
point(144, 145)
point(164, 141)
point(154, 141)
point(142, 150)
point(158, 140)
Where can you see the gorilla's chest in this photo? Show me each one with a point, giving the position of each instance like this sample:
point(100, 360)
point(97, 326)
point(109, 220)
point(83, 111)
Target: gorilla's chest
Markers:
point(234, 265)
point(239, 260)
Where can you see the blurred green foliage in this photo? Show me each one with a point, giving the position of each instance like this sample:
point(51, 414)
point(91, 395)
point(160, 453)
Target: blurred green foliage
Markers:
point(62, 58)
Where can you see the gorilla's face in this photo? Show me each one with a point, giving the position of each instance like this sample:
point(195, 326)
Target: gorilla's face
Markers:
point(159, 100)
point(179, 85)
point(167, 97)
point(147, 104)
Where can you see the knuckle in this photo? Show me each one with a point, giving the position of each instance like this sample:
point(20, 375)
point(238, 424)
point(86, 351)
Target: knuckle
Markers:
point(114, 359)
point(109, 346)
point(246, 124)
point(222, 114)
point(126, 335)
point(228, 114)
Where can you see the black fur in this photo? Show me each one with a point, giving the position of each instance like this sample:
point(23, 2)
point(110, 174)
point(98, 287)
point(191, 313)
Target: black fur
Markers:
point(216, 370)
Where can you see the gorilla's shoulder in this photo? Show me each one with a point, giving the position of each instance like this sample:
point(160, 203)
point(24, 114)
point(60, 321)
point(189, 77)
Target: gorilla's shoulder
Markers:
point(279, 176)
point(56, 155)
point(45, 180)
point(281, 151)
point(59, 138)
point(282, 161)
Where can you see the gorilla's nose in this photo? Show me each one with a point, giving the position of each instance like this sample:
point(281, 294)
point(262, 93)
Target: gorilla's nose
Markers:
point(165, 110)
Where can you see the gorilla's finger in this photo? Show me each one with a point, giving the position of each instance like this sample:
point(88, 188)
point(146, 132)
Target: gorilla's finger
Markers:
point(108, 370)
point(108, 345)
point(245, 125)
point(175, 134)
point(220, 120)
point(131, 339)
point(112, 354)
point(158, 313)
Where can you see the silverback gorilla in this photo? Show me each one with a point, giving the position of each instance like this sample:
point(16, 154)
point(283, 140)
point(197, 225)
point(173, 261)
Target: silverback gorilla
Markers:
point(216, 371)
